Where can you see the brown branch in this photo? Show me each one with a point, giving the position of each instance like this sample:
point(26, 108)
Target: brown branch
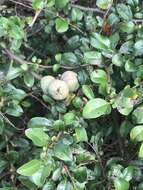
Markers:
point(40, 101)
point(21, 61)
point(22, 4)
point(9, 122)
point(70, 176)
point(88, 9)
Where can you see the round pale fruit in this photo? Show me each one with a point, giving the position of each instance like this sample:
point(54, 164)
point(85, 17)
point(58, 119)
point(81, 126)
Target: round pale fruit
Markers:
point(58, 90)
point(45, 81)
point(70, 78)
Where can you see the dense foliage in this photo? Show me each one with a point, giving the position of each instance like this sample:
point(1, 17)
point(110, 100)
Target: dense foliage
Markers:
point(75, 130)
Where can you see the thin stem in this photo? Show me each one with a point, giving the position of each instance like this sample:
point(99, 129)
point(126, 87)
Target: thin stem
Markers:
point(35, 18)
point(21, 61)
point(88, 9)
point(99, 159)
point(70, 176)
point(9, 122)
point(22, 4)
point(41, 102)
point(138, 20)
point(106, 14)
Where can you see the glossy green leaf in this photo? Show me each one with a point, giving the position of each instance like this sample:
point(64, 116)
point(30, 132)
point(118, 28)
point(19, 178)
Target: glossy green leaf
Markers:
point(137, 115)
point(99, 76)
point(94, 58)
point(38, 4)
point(128, 173)
point(49, 186)
point(63, 152)
point(124, 11)
point(1, 126)
point(40, 176)
point(96, 108)
point(88, 92)
point(30, 168)
point(64, 185)
point(81, 134)
point(121, 184)
point(139, 47)
point(81, 174)
point(61, 25)
point(103, 4)
point(38, 136)
point(117, 60)
point(100, 42)
point(61, 4)
point(29, 79)
point(140, 155)
point(14, 110)
point(13, 73)
point(76, 15)
point(136, 133)
point(39, 122)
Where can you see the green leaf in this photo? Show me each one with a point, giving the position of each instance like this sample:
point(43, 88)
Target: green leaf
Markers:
point(93, 57)
point(124, 11)
point(80, 174)
point(88, 92)
point(39, 122)
point(139, 47)
point(61, 4)
point(50, 3)
point(96, 108)
point(17, 94)
point(64, 185)
point(14, 110)
point(81, 134)
point(1, 126)
point(76, 14)
point(30, 168)
point(127, 27)
point(136, 133)
point(125, 100)
point(103, 4)
point(16, 32)
point(49, 186)
point(38, 136)
point(38, 4)
point(140, 155)
point(69, 58)
point(100, 42)
point(99, 76)
point(128, 173)
point(130, 66)
point(56, 174)
point(137, 115)
point(69, 118)
point(13, 73)
point(29, 79)
point(117, 60)
point(61, 25)
point(3, 165)
point(40, 176)
point(121, 184)
point(125, 128)
point(63, 152)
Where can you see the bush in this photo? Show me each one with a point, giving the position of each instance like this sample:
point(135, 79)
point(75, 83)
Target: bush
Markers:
point(79, 131)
